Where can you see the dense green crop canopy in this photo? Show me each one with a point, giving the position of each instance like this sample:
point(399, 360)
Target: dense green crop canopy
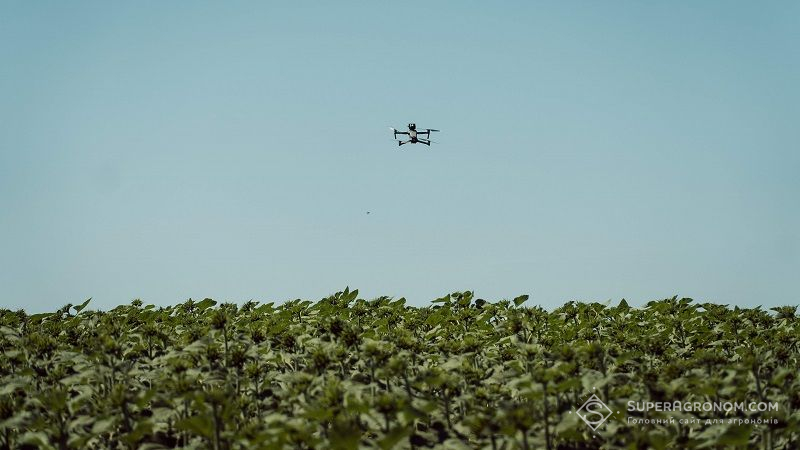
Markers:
point(350, 373)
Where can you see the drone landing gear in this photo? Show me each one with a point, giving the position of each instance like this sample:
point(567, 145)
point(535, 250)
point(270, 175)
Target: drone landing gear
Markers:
point(418, 141)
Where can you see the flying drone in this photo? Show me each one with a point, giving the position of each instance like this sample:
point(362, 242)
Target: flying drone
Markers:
point(413, 135)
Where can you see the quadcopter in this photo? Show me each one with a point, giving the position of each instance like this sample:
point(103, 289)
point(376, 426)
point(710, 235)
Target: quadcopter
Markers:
point(413, 134)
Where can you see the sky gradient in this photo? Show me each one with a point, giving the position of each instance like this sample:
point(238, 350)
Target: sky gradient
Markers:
point(232, 150)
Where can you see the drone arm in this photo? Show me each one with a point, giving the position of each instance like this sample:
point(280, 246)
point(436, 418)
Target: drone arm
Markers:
point(394, 130)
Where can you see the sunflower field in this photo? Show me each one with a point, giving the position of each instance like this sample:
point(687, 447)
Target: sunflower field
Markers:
point(348, 373)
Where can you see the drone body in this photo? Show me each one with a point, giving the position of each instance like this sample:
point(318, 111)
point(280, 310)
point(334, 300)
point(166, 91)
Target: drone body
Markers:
point(414, 135)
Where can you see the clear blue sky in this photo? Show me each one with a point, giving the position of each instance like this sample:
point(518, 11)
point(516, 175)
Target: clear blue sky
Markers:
point(589, 151)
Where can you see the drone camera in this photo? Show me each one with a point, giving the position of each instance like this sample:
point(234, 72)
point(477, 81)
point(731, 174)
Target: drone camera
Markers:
point(412, 126)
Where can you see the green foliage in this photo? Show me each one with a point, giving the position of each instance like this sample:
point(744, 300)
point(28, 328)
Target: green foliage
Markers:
point(348, 373)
